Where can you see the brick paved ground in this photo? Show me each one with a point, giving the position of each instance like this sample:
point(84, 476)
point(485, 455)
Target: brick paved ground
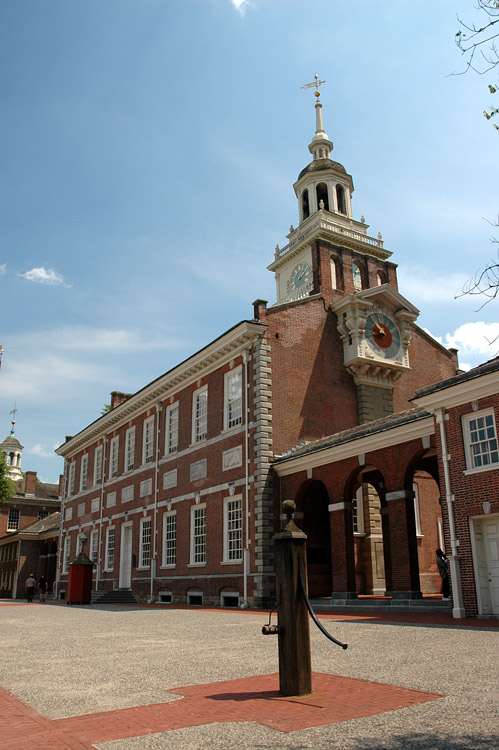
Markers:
point(52, 700)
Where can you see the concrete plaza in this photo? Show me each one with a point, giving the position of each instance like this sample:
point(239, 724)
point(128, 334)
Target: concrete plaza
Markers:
point(110, 677)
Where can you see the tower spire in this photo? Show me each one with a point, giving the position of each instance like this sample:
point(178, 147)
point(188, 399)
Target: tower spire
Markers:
point(321, 146)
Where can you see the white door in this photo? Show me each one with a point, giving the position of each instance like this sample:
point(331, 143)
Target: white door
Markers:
point(491, 543)
point(126, 557)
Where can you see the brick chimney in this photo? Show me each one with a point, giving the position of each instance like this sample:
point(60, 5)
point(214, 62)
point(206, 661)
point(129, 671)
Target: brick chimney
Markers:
point(61, 483)
point(117, 398)
point(260, 310)
point(30, 483)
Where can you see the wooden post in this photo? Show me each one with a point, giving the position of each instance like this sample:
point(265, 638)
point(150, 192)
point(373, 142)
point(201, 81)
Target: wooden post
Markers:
point(295, 670)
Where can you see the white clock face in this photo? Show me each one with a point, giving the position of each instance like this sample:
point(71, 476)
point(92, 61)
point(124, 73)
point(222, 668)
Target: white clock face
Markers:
point(382, 335)
point(300, 276)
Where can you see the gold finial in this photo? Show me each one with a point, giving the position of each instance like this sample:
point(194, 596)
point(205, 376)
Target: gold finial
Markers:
point(315, 83)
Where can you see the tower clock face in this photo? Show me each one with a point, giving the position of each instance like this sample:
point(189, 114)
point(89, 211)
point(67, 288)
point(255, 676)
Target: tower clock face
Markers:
point(300, 276)
point(382, 335)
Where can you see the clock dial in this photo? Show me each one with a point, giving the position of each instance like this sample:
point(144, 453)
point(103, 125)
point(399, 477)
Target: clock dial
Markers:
point(382, 335)
point(300, 276)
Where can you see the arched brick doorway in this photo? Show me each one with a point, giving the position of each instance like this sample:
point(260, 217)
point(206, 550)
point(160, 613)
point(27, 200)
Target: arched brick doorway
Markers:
point(312, 503)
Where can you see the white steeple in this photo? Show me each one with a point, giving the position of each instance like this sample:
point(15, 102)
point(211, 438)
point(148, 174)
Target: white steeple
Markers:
point(13, 452)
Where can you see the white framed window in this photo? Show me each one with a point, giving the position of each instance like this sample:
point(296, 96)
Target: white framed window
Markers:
point(84, 472)
point(357, 277)
point(358, 511)
point(146, 488)
point(72, 473)
point(81, 510)
point(171, 438)
point(130, 449)
point(233, 529)
point(69, 514)
point(148, 441)
point(334, 283)
point(66, 554)
point(113, 457)
point(13, 520)
point(110, 537)
point(95, 504)
point(145, 542)
point(98, 465)
point(417, 515)
point(42, 514)
point(127, 493)
point(94, 545)
point(200, 414)
point(170, 538)
point(480, 440)
point(198, 534)
point(111, 500)
point(233, 397)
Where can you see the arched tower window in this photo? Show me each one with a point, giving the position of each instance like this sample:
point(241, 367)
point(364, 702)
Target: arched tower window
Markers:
point(305, 205)
point(380, 278)
point(322, 195)
point(340, 199)
point(357, 277)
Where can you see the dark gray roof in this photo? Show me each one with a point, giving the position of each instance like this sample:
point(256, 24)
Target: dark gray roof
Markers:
point(318, 164)
point(49, 523)
point(354, 433)
point(487, 367)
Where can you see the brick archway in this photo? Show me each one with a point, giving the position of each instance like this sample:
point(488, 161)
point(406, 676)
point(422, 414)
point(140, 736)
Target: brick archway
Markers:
point(312, 501)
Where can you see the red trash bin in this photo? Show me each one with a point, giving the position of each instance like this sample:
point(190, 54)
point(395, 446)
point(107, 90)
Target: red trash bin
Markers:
point(80, 580)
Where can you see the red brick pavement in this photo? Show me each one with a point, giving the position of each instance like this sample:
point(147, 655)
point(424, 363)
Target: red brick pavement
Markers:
point(255, 699)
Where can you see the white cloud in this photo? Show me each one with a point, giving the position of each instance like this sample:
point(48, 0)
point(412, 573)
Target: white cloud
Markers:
point(3, 269)
point(43, 275)
point(417, 284)
point(40, 450)
point(240, 5)
point(477, 342)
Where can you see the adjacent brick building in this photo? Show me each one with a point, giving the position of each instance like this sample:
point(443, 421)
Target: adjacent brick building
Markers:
point(466, 413)
point(178, 488)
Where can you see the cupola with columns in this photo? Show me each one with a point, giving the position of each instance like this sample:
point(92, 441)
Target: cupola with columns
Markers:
point(329, 253)
point(13, 453)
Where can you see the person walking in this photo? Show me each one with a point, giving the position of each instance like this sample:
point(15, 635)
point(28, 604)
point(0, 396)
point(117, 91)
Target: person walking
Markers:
point(30, 587)
point(443, 569)
point(42, 588)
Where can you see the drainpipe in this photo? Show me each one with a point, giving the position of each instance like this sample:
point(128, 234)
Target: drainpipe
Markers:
point(16, 580)
point(155, 520)
point(102, 487)
point(59, 545)
point(458, 610)
point(246, 550)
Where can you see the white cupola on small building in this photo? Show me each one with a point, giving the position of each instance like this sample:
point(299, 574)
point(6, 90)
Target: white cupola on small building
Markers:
point(323, 185)
point(13, 452)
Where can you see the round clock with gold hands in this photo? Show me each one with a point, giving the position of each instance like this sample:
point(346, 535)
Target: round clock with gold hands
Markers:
point(300, 276)
point(382, 335)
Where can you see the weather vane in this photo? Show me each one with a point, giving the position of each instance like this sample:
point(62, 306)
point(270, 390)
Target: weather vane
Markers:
point(315, 84)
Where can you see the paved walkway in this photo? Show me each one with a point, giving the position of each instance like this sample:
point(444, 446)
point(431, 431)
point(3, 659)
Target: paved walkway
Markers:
point(42, 707)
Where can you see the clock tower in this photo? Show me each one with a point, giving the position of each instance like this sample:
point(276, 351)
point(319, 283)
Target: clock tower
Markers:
point(330, 255)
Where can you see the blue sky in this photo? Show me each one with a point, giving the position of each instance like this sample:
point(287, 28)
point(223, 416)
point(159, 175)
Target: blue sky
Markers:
point(148, 152)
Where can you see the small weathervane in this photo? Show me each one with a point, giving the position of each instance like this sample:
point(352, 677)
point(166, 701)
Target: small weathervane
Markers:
point(315, 84)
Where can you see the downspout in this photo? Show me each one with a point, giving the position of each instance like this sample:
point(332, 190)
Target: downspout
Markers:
point(458, 610)
point(14, 587)
point(156, 492)
point(102, 483)
point(59, 545)
point(246, 550)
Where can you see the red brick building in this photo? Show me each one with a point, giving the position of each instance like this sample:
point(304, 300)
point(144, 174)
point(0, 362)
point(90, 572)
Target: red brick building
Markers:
point(178, 487)
point(30, 550)
point(466, 412)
